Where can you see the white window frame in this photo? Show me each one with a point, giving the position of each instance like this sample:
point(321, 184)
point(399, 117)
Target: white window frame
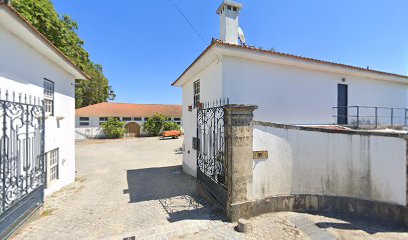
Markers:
point(53, 166)
point(196, 93)
point(103, 120)
point(49, 88)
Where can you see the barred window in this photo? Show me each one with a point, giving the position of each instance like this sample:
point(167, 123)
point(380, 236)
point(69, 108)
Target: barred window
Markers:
point(49, 96)
point(52, 159)
point(196, 93)
point(84, 121)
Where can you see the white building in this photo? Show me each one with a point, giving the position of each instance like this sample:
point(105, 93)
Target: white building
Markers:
point(288, 89)
point(88, 119)
point(31, 66)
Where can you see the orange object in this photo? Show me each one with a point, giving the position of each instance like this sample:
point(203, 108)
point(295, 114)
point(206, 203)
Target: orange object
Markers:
point(173, 134)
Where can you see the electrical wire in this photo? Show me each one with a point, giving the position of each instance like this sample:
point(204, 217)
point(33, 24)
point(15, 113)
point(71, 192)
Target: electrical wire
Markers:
point(193, 27)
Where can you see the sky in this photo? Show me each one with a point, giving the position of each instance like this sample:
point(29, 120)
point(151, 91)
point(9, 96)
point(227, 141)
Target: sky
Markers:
point(144, 46)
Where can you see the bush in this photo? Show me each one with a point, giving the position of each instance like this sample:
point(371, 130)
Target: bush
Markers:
point(154, 125)
point(169, 126)
point(113, 128)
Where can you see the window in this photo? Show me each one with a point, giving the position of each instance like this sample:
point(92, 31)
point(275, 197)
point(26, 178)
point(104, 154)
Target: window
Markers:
point(126, 119)
point(137, 119)
point(196, 93)
point(49, 96)
point(146, 119)
point(84, 121)
point(178, 123)
point(52, 160)
point(102, 120)
point(177, 119)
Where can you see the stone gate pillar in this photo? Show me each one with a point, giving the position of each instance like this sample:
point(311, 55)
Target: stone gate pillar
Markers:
point(239, 140)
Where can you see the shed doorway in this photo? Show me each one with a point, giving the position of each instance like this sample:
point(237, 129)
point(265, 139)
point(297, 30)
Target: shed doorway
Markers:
point(132, 129)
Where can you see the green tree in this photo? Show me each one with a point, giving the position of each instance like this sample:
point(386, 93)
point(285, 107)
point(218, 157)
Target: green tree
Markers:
point(169, 126)
point(62, 32)
point(114, 128)
point(154, 125)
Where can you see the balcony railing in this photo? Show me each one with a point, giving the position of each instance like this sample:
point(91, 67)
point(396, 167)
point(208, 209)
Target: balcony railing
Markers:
point(359, 116)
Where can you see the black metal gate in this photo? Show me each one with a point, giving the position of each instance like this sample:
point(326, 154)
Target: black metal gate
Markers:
point(211, 148)
point(21, 160)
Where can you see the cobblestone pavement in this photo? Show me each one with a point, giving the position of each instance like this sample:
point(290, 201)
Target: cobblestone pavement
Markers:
point(134, 189)
point(122, 186)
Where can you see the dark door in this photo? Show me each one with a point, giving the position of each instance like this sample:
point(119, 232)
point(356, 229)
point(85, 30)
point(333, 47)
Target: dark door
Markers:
point(342, 103)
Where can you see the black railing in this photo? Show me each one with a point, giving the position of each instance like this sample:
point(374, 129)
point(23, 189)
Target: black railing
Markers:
point(358, 116)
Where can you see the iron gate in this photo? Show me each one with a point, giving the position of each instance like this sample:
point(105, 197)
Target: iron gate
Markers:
point(211, 148)
point(21, 160)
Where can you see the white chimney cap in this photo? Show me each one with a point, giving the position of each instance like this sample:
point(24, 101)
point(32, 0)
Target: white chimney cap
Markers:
point(229, 3)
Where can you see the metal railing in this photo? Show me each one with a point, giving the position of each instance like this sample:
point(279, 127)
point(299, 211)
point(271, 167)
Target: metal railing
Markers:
point(358, 116)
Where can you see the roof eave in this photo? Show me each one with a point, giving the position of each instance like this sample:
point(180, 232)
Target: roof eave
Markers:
point(13, 12)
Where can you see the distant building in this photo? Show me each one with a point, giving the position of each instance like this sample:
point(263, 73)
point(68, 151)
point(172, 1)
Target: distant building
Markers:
point(88, 119)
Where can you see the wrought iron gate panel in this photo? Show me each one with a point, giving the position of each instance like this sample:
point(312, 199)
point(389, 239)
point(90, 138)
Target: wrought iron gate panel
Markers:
point(21, 158)
point(211, 149)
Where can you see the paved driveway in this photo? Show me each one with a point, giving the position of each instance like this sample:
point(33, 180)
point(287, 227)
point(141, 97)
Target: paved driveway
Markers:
point(123, 187)
point(135, 188)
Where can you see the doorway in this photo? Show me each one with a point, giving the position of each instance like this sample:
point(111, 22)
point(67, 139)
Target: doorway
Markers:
point(132, 129)
point(342, 104)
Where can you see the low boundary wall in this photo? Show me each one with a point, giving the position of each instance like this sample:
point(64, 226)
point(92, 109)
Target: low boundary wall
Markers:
point(262, 173)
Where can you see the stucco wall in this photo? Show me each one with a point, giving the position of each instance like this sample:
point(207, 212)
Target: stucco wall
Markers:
point(23, 70)
point(294, 95)
point(211, 89)
point(312, 162)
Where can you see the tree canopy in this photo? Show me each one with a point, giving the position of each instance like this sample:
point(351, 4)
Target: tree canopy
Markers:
point(61, 30)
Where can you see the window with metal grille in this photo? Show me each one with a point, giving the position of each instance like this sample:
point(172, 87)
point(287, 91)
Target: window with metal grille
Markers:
point(49, 96)
point(196, 93)
point(52, 158)
point(84, 121)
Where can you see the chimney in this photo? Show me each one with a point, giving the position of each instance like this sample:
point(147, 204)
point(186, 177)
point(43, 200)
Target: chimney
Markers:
point(229, 21)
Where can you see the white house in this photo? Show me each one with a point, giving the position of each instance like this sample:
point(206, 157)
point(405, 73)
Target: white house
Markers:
point(288, 89)
point(31, 68)
point(88, 119)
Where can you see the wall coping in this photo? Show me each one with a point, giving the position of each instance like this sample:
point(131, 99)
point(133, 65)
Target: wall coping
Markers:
point(334, 131)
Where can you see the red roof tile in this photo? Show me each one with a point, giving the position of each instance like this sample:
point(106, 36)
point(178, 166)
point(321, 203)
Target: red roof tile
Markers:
point(128, 110)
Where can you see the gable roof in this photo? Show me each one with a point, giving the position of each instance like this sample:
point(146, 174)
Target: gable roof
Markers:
point(107, 109)
point(13, 12)
point(216, 42)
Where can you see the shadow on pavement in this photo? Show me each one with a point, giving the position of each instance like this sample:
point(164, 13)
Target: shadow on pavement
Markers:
point(175, 191)
point(353, 222)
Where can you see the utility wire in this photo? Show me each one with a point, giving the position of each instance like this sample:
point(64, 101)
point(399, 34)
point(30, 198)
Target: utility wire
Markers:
point(193, 27)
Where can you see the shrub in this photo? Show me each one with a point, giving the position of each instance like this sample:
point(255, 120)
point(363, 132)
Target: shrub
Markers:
point(154, 125)
point(113, 128)
point(169, 126)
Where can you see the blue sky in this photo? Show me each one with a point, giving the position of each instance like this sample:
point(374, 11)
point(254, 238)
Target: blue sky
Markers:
point(145, 45)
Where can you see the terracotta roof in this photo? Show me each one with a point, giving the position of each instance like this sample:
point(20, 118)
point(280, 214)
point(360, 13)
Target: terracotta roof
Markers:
point(41, 36)
point(128, 110)
point(274, 53)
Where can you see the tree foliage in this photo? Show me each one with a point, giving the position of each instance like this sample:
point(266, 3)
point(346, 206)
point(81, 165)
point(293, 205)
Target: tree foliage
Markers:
point(61, 30)
point(169, 126)
point(114, 128)
point(154, 125)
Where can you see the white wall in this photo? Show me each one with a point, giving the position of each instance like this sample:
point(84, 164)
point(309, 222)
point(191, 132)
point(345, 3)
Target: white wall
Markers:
point(310, 162)
point(292, 95)
point(211, 89)
point(23, 70)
